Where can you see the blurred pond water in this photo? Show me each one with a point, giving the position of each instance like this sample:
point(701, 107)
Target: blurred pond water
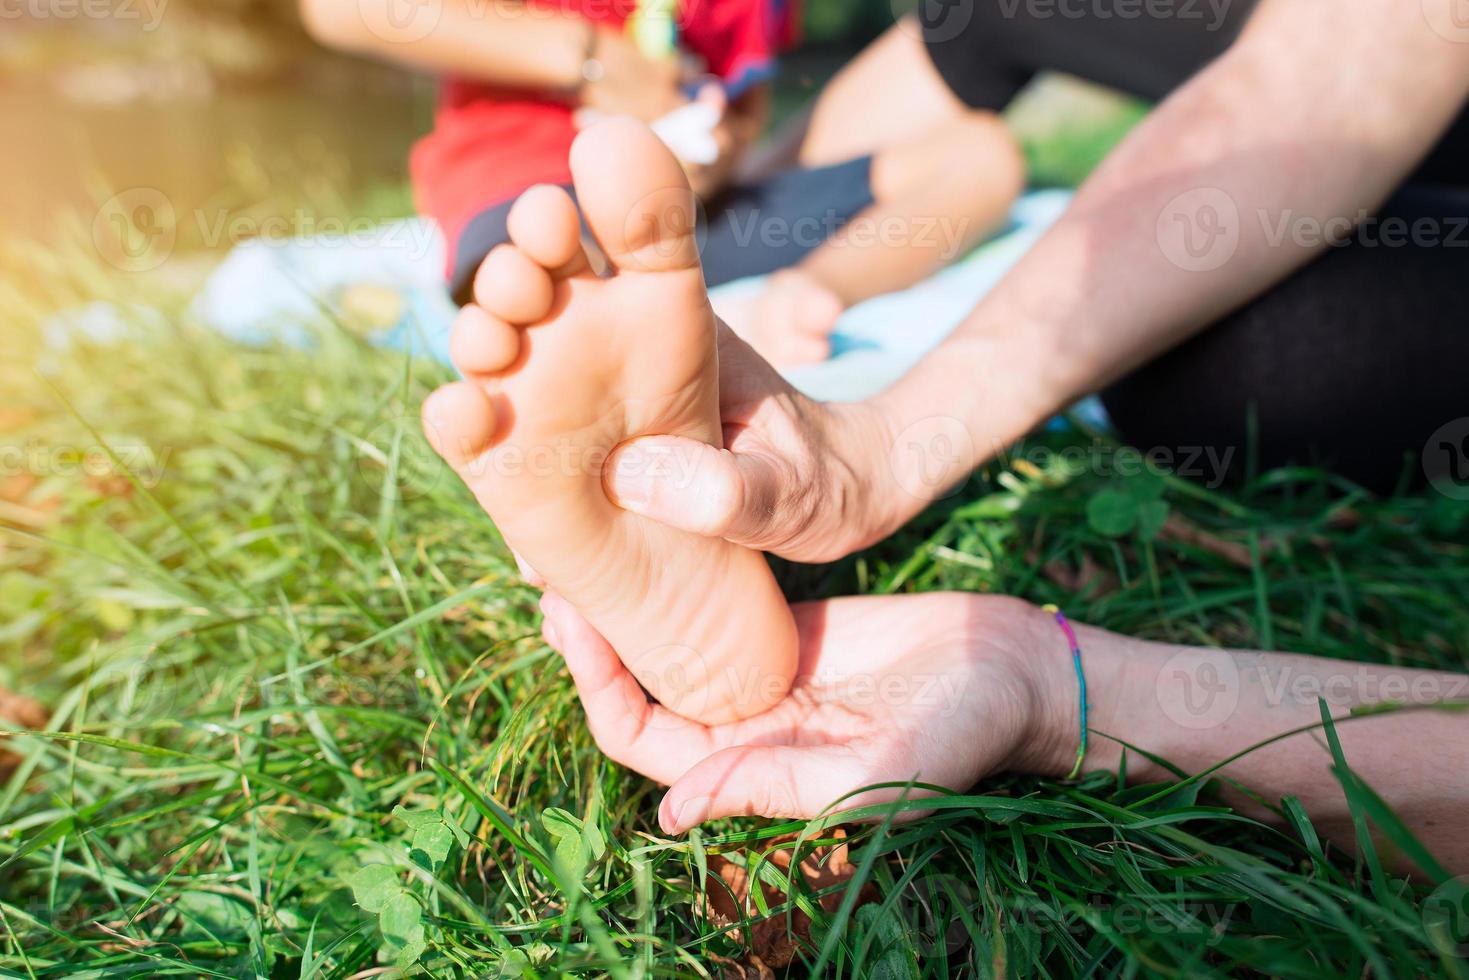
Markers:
point(319, 146)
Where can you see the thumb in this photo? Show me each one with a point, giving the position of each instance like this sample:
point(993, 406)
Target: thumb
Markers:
point(763, 781)
point(696, 487)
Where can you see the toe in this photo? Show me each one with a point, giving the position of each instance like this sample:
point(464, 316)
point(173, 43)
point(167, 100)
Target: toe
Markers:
point(459, 423)
point(635, 197)
point(544, 224)
point(796, 350)
point(481, 343)
point(513, 287)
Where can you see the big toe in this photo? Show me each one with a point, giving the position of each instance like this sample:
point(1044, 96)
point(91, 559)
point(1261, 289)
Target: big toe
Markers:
point(635, 197)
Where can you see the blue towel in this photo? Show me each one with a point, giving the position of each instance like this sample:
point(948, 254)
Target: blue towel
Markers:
point(266, 290)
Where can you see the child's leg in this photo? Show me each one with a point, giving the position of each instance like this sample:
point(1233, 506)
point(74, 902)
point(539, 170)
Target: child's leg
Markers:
point(889, 94)
point(943, 174)
point(935, 196)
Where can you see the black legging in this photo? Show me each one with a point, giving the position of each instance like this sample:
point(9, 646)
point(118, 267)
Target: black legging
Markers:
point(1355, 360)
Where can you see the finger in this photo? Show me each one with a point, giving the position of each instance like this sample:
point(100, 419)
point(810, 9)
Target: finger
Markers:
point(764, 781)
point(549, 634)
point(627, 727)
point(698, 488)
point(714, 96)
point(529, 575)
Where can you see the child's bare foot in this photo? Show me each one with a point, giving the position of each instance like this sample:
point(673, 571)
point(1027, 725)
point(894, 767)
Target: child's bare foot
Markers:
point(789, 321)
point(561, 368)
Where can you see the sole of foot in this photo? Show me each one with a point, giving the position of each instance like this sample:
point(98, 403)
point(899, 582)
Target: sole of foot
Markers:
point(562, 366)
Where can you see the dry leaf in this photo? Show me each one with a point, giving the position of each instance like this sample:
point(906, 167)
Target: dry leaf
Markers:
point(1184, 531)
point(15, 419)
point(751, 967)
point(111, 485)
point(18, 712)
point(17, 505)
point(1090, 581)
point(774, 941)
point(14, 489)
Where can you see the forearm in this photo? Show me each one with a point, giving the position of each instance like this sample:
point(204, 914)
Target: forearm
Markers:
point(1197, 707)
point(1274, 134)
point(503, 43)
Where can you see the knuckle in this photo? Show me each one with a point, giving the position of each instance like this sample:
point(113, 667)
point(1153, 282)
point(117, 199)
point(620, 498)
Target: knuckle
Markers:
point(614, 749)
point(724, 497)
point(776, 797)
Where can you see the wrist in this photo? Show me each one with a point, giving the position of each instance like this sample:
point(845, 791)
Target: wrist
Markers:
point(584, 68)
point(1107, 662)
point(877, 505)
point(1049, 740)
point(998, 377)
point(924, 447)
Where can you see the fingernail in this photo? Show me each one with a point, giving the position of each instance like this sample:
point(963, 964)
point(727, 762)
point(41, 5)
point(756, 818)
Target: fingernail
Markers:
point(632, 479)
point(690, 814)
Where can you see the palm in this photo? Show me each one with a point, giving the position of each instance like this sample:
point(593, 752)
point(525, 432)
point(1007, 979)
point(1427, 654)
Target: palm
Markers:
point(889, 689)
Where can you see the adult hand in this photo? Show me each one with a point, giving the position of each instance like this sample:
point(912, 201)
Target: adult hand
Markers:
point(939, 688)
point(630, 83)
point(809, 481)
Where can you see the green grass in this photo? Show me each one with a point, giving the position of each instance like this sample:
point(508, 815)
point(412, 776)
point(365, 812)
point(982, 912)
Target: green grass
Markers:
point(304, 726)
point(297, 621)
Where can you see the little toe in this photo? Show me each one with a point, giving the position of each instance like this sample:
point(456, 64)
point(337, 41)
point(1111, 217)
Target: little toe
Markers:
point(481, 343)
point(513, 287)
point(544, 224)
point(459, 423)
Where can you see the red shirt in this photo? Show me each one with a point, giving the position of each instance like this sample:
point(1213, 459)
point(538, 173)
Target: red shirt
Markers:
point(488, 144)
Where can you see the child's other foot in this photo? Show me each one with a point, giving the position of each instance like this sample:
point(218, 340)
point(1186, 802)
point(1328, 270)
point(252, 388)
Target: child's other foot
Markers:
point(562, 367)
point(789, 321)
